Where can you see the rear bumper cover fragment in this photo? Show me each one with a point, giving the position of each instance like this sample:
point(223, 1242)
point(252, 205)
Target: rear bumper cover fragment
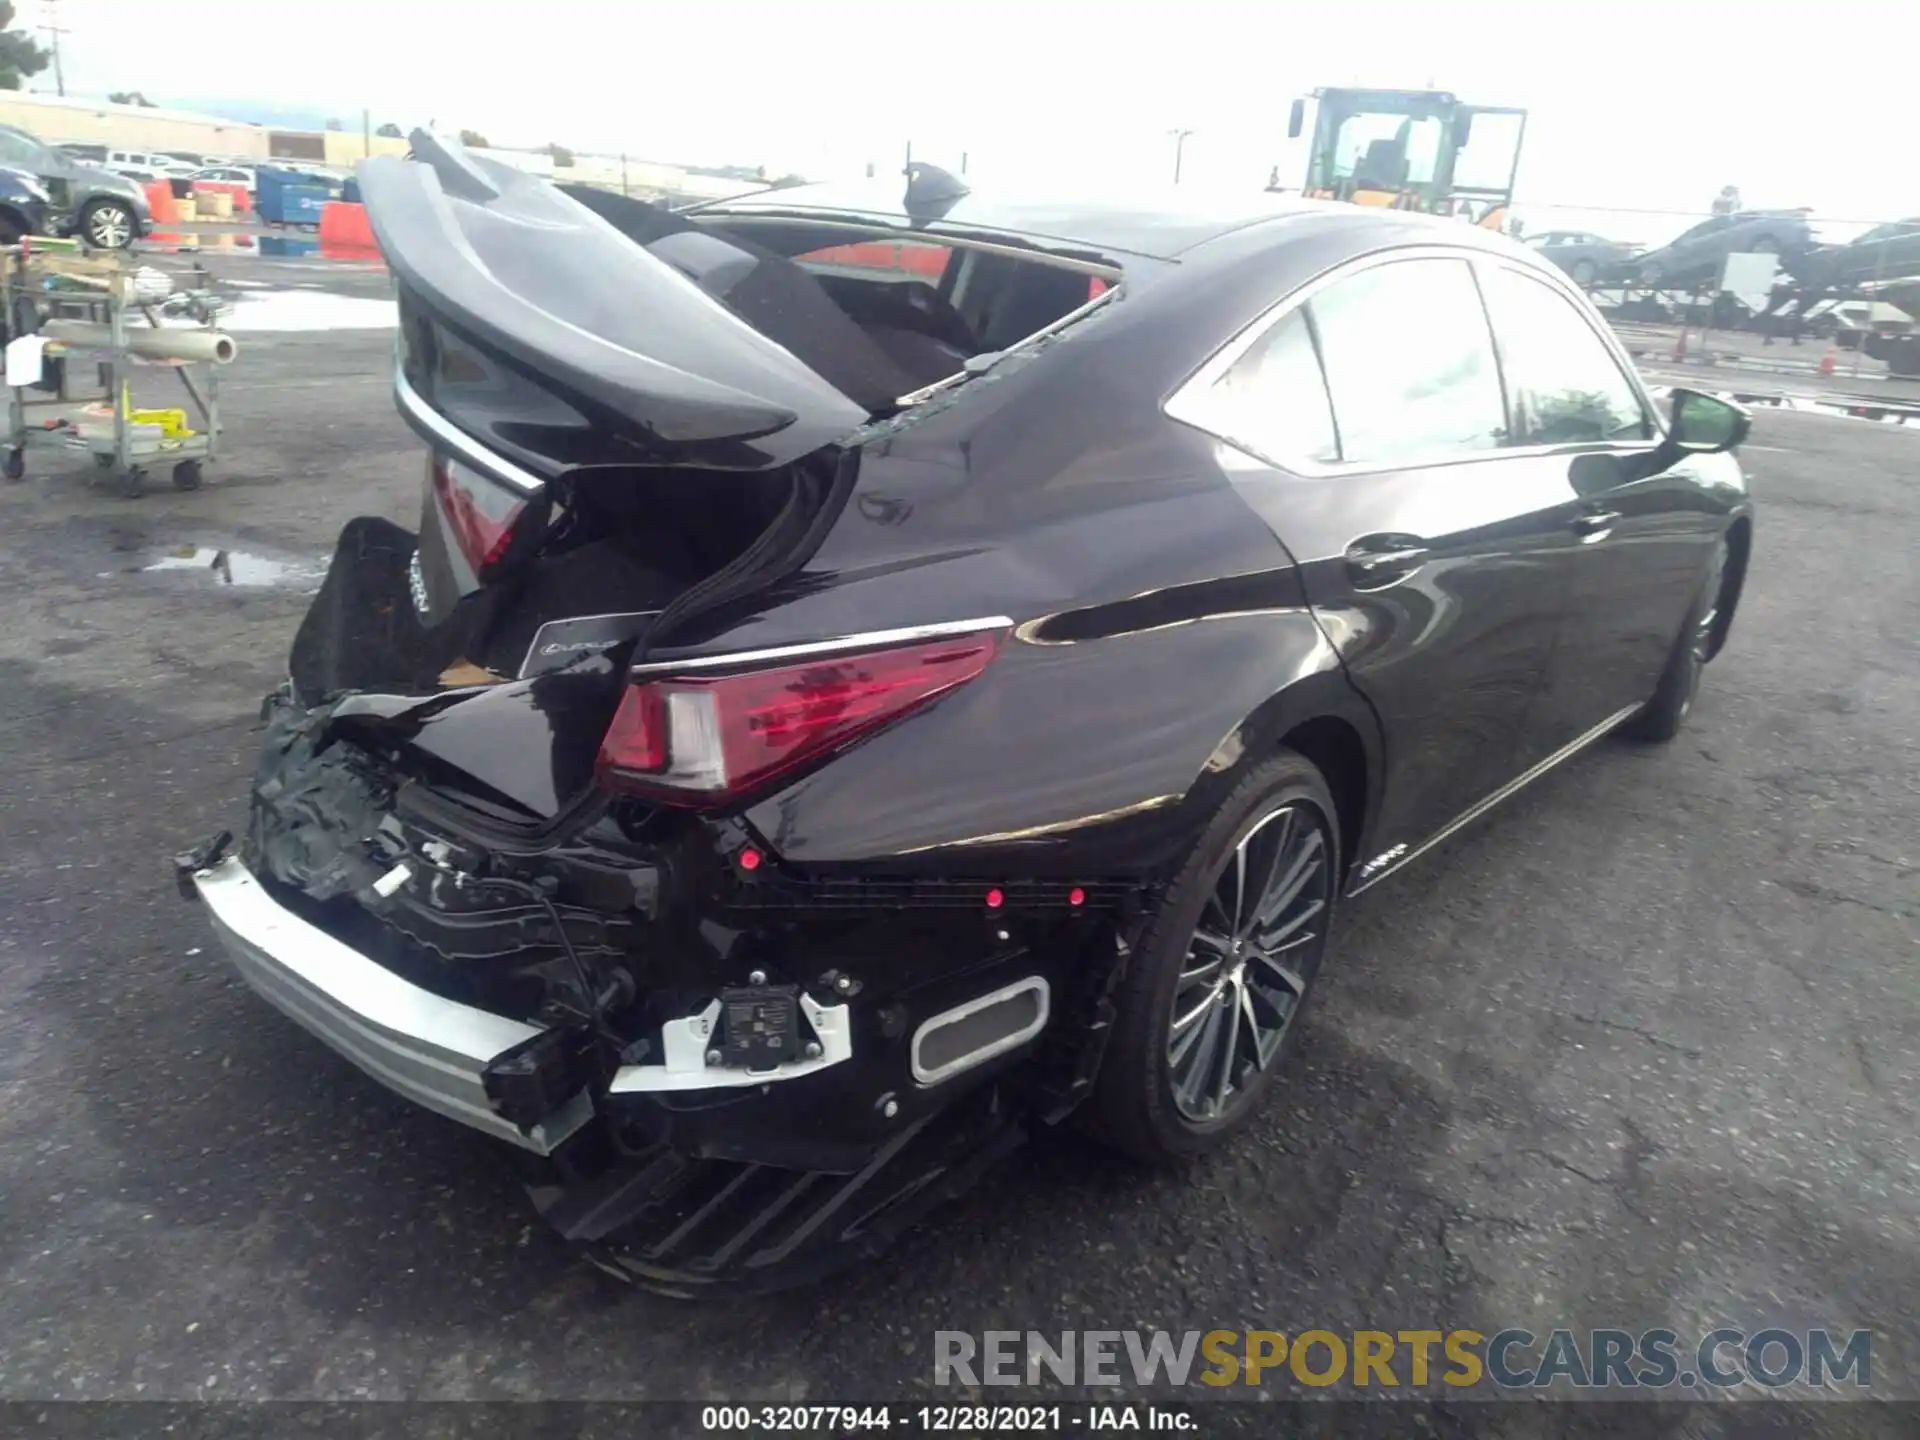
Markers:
point(432, 1050)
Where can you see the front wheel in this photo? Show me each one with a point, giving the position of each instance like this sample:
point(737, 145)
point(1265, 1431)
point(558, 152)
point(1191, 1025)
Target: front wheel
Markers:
point(108, 225)
point(1662, 717)
point(1223, 970)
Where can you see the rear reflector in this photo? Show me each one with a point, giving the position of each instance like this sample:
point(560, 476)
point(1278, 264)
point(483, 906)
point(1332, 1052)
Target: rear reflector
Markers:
point(480, 514)
point(701, 741)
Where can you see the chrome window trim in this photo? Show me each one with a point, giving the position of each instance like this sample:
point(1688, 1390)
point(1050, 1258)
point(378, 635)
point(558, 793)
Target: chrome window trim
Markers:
point(864, 640)
point(436, 428)
point(1190, 404)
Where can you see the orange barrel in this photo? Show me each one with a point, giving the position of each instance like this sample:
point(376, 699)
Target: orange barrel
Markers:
point(343, 226)
point(160, 202)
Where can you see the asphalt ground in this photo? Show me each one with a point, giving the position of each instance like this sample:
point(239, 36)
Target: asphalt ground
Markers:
point(1637, 1050)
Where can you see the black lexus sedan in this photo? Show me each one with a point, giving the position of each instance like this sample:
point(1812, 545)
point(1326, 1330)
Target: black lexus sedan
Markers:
point(880, 674)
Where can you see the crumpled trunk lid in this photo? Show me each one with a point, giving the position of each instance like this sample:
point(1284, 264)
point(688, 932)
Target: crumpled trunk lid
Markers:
point(541, 330)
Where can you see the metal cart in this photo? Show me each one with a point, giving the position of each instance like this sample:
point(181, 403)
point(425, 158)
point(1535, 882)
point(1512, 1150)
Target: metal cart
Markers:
point(38, 284)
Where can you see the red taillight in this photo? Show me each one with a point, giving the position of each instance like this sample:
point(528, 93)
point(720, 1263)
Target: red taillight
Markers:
point(695, 741)
point(479, 513)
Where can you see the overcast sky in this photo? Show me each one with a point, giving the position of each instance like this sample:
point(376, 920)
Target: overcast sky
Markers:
point(1638, 105)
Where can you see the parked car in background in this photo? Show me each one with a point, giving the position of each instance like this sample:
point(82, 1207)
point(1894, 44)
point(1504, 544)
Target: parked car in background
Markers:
point(106, 210)
point(26, 207)
point(1588, 258)
point(1885, 253)
point(1697, 256)
point(228, 175)
point(827, 727)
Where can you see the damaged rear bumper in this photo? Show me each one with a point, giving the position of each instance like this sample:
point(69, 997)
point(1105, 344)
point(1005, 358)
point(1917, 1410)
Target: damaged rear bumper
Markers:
point(432, 1050)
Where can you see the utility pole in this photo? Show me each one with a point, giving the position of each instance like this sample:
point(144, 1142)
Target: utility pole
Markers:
point(50, 12)
point(1179, 147)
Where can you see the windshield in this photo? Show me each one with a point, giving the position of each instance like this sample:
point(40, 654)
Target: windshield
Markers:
point(1386, 149)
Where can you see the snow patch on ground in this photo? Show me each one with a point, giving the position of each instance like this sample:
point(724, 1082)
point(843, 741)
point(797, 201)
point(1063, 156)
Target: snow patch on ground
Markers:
point(291, 310)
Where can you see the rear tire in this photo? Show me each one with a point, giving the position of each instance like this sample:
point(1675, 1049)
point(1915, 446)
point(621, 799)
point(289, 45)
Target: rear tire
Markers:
point(1213, 994)
point(1663, 716)
point(1584, 273)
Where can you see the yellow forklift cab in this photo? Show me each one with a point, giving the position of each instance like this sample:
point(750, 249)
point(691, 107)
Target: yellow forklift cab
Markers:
point(1412, 150)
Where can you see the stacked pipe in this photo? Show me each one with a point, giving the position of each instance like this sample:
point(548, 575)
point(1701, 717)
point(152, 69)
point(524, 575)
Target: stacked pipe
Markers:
point(213, 347)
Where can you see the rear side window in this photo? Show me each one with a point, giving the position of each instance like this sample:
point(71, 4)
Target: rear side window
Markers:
point(1565, 385)
point(1273, 401)
point(1409, 362)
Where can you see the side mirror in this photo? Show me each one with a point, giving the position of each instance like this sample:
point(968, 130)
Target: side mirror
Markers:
point(1706, 424)
point(1296, 119)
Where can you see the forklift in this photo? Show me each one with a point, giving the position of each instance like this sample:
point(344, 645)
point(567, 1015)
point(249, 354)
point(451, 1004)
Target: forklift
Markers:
point(1410, 150)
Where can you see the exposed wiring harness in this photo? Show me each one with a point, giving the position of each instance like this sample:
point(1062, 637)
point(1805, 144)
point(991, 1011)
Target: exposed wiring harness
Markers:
point(594, 1001)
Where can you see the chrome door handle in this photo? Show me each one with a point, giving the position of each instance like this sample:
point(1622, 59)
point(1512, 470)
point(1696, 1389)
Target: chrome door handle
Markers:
point(1381, 566)
point(1593, 522)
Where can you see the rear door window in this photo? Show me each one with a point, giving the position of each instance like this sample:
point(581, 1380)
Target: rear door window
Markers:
point(1409, 362)
point(1565, 384)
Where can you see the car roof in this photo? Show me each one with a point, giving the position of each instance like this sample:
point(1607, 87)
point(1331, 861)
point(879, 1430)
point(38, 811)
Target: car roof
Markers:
point(1161, 225)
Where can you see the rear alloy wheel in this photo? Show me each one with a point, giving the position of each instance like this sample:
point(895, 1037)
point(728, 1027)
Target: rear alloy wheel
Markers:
point(1583, 273)
point(1223, 971)
point(107, 225)
point(1662, 717)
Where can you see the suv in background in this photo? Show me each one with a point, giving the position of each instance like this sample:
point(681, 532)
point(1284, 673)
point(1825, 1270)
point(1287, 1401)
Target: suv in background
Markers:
point(107, 211)
point(146, 165)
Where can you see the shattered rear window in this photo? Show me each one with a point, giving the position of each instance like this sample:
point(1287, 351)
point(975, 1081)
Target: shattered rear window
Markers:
point(905, 259)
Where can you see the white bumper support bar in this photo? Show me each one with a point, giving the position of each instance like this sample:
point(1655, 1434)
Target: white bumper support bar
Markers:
point(429, 1049)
